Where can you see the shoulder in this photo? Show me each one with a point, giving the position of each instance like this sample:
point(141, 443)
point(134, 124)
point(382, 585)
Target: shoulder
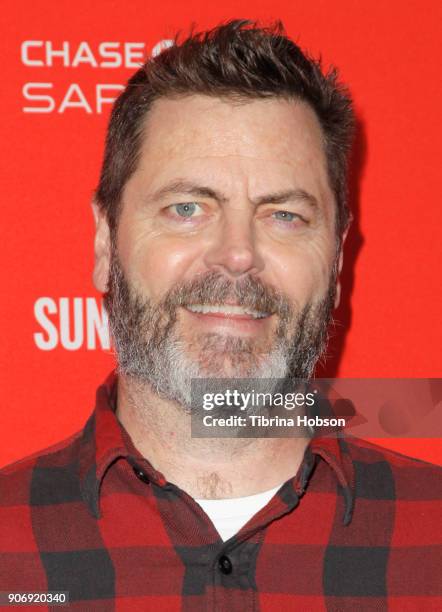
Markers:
point(381, 473)
point(16, 479)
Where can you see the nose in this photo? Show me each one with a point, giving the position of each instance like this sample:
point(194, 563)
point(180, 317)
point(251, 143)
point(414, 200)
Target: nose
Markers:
point(234, 250)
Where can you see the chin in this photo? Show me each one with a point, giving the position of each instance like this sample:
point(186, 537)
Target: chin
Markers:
point(219, 367)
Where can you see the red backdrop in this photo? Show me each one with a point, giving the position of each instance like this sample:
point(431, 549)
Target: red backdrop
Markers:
point(63, 61)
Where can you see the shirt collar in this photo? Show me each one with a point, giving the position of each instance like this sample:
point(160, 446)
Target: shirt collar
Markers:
point(335, 452)
point(104, 440)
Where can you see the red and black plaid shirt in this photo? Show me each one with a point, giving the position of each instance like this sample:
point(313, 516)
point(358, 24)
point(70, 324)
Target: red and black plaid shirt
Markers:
point(356, 529)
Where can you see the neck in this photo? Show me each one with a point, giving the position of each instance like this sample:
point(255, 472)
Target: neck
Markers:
point(204, 468)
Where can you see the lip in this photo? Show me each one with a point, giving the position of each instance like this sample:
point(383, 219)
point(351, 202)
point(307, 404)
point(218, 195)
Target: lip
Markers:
point(224, 315)
point(230, 314)
point(238, 323)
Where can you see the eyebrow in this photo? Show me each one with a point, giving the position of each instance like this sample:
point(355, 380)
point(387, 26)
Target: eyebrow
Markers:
point(188, 187)
point(194, 189)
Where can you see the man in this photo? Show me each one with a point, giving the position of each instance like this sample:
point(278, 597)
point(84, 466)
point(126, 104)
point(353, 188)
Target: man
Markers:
point(220, 215)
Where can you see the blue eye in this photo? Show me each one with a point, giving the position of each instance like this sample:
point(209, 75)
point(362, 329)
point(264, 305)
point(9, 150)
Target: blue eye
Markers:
point(185, 210)
point(284, 215)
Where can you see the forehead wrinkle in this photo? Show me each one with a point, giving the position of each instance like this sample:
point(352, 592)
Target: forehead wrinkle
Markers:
point(178, 136)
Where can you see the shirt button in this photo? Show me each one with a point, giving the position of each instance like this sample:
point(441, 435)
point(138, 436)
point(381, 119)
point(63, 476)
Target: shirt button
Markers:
point(141, 475)
point(225, 565)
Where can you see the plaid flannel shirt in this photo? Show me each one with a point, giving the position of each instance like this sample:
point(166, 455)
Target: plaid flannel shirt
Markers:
point(357, 528)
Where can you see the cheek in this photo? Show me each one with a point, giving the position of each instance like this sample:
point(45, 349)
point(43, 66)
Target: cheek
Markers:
point(155, 263)
point(303, 272)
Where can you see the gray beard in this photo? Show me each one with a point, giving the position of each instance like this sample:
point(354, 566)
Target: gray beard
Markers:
point(150, 350)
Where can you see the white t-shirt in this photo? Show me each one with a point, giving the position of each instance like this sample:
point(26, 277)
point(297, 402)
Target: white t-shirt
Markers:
point(229, 515)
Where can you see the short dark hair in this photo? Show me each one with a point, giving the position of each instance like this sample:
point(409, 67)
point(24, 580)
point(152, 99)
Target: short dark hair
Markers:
point(238, 60)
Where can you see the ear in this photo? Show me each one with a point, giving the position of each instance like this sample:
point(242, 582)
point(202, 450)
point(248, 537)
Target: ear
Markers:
point(340, 264)
point(102, 249)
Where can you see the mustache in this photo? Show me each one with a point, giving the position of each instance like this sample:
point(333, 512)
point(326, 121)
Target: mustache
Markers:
point(214, 288)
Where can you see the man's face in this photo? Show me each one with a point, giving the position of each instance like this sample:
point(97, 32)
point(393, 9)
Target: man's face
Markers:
point(224, 262)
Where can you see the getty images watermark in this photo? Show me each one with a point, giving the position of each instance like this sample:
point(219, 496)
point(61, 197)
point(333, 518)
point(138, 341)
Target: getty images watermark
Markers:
point(244, 408)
